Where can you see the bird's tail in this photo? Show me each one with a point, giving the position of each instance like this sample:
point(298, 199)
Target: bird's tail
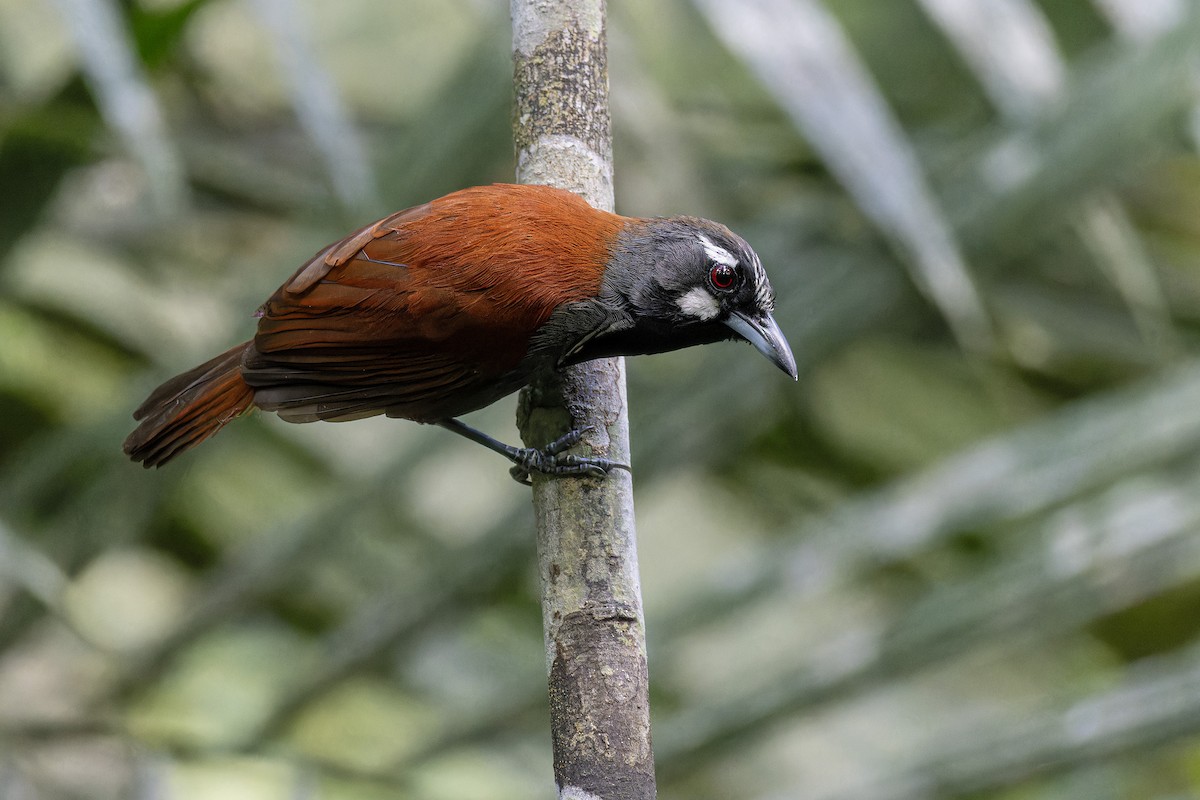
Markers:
point(189, 408)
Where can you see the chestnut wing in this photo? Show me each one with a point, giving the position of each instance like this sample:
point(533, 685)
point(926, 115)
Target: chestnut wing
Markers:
point(428, 313)
point(378, 324)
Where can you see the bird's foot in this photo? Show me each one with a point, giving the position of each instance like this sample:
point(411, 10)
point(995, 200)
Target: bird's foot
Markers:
point(551, 460)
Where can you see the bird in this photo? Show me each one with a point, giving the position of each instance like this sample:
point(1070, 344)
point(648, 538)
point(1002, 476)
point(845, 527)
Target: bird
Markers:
point(445, 307)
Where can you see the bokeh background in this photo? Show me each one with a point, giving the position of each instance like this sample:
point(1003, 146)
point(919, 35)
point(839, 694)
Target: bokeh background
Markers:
point(958, 559)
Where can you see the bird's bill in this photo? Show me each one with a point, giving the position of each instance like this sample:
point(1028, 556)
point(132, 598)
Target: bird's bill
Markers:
point(765, 336)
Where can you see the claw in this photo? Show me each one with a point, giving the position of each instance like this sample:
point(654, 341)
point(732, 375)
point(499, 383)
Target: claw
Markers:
point(552, 460)
point(549, 460)
point(567, 441)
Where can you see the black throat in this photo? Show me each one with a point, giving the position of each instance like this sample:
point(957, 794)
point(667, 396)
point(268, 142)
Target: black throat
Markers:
point(649, 336)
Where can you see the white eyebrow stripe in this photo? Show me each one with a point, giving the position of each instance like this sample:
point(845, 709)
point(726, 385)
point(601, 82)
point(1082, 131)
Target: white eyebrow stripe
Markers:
point(717, 253)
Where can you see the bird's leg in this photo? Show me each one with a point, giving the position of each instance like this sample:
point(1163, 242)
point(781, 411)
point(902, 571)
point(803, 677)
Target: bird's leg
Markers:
point(549, 460)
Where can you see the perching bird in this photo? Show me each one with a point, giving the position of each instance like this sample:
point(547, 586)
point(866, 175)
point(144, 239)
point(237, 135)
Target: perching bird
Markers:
point(444, 308)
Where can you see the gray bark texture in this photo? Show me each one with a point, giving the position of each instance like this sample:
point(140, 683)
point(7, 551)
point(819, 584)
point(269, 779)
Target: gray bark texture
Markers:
point(591, 598)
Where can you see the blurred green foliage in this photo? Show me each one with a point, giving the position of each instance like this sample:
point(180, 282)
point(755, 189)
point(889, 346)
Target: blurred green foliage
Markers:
point(924, 572)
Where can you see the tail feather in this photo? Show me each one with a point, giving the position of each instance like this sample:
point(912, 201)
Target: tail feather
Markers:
point(189, 408)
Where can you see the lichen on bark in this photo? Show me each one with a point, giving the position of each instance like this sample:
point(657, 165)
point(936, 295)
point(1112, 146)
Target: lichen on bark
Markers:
point(552, 91)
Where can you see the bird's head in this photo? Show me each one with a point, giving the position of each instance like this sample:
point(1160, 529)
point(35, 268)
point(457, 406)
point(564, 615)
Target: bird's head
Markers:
point(685, 281)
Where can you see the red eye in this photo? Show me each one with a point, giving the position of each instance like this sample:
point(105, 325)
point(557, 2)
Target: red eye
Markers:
point(723, 277)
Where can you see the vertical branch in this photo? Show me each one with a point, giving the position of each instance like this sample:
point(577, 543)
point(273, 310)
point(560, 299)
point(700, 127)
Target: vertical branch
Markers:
point(591, 599)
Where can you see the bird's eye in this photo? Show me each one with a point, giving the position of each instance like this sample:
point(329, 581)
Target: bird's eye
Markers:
point(722, 277)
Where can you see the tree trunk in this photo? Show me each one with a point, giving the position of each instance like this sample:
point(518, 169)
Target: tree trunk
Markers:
point(591, 598)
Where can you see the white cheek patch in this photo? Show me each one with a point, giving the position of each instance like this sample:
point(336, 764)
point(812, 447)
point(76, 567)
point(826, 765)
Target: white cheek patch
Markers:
point(716, 253)
point(699, 303)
